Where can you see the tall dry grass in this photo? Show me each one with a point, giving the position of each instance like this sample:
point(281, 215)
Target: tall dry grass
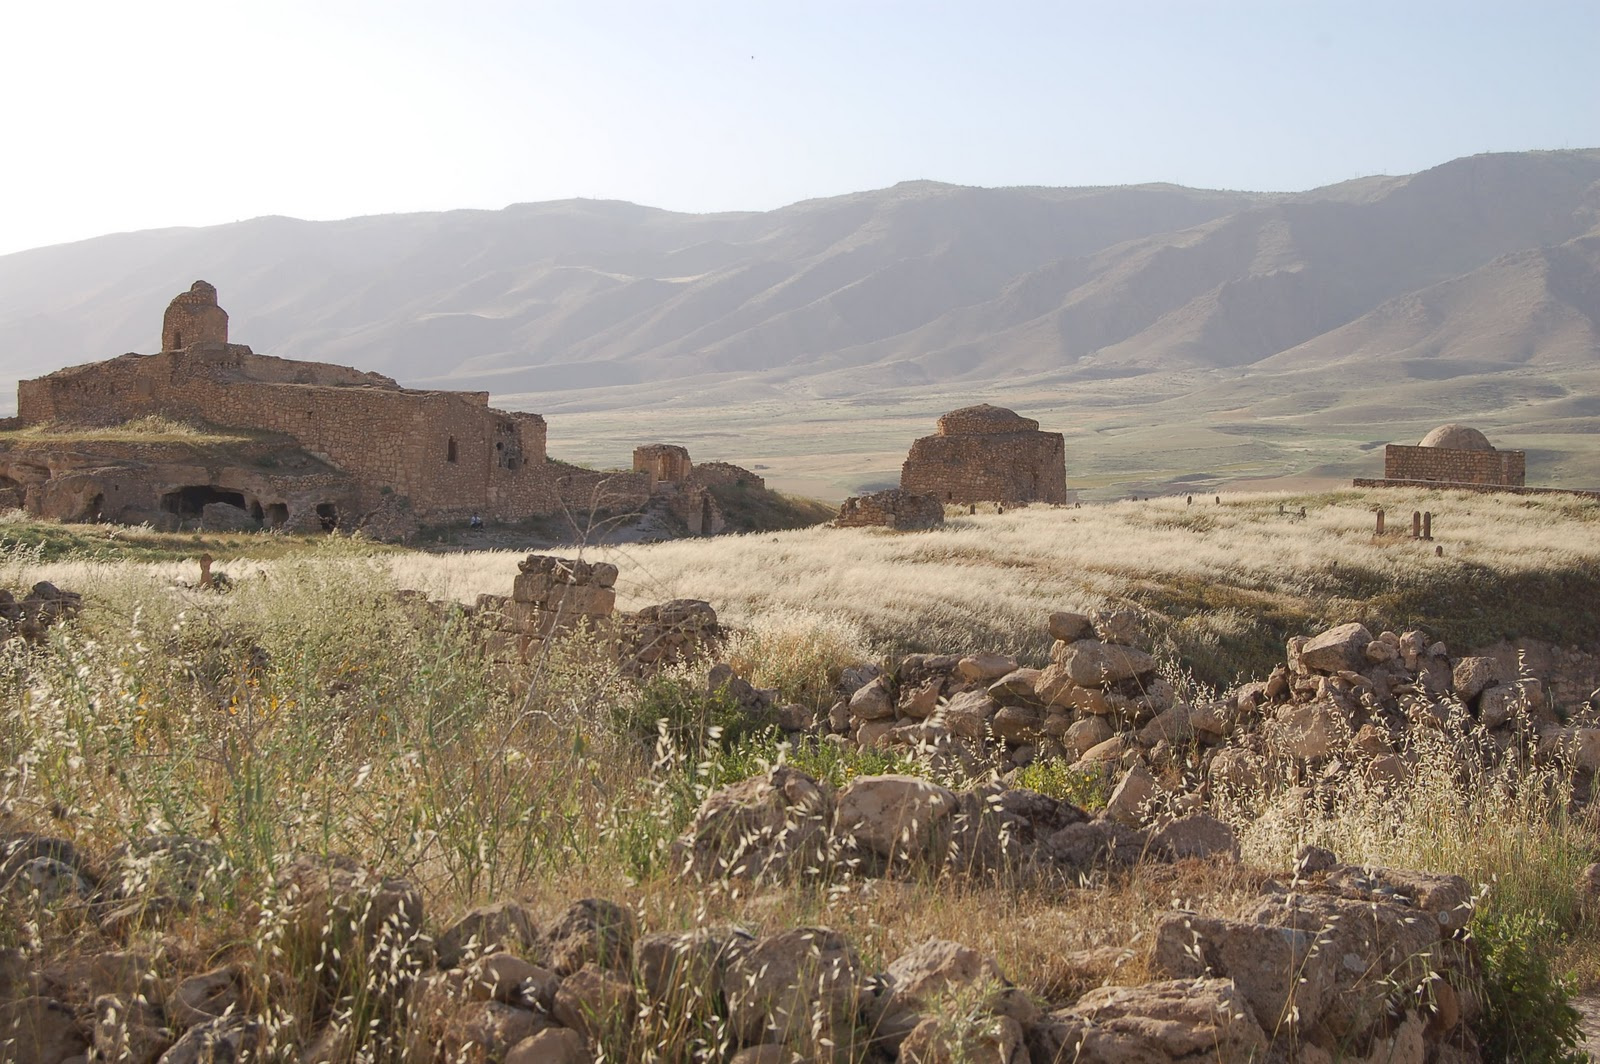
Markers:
point(1224, 583)
point(311, 710)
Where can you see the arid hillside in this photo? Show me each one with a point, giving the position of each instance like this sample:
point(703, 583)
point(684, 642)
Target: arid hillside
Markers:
point(919, 284)
point(1182, 338)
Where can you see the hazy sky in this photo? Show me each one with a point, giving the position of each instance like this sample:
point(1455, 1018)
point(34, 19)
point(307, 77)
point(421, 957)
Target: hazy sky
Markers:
point(124, 115)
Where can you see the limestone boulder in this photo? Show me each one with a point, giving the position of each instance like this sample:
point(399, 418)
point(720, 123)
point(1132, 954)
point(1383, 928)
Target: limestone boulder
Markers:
point(1131, 800)
point(985, 668)
point(594, 1002)
point(799, 987)
point(487, 929)
point(768, 826)
point(554, 1045)
point(1017, 688)
point(1235, 770)
point(592, 931)
point(919, 701)
point(1279, 970)
point(1311, 731)
point(349, 908)
point(678, 967)
point(225, 517)
point(1069, 627)
point(40, 1029)
point(1446, 898)
point(1081, 849)
point(1017, 724)
point(968, 714)
point(1576, 747)
point(1340, 648)
point(129, 1030)
point(894, 817)
point(873, 701)
point(1121, 627)
point(484, 1032)
point(965, 1040)
point(923, 973)
point(1370, 948)
point(1197, 835)
point(1085, 734)
point(1186, 1020)
point(1497, 706)
point(1091, 662)
point(1472, 675)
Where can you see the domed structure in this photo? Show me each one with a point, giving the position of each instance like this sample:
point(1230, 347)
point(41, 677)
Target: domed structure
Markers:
point(987, 454)
point(984, 420)
point(1457, 438)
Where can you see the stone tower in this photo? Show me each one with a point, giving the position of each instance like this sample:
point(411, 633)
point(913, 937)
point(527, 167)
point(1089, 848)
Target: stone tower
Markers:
point(193, 317)
point(987, 454)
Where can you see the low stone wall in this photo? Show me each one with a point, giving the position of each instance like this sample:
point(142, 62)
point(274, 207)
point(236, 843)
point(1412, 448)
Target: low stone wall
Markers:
point(904, 511)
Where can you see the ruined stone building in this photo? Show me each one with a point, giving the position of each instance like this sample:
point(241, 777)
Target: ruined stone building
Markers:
point(988, 454)
point(686, 487)
point(332, 446)
point(1456, 455)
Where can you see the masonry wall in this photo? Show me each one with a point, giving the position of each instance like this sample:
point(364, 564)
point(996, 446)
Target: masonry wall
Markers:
point(448, 452)
point(1506, 468)
point(713, 474)
point(992, 467)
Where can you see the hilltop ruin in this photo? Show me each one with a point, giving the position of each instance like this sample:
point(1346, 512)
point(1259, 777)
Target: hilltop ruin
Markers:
point(988, 454)
point(329, 446)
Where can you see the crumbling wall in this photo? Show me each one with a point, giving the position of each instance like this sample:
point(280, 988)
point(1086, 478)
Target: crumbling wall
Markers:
point(726, 474)
point(897, 509)
point(1507, 468)
point(447, 452)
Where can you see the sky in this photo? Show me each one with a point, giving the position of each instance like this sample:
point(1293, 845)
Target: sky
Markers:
point(118, 116)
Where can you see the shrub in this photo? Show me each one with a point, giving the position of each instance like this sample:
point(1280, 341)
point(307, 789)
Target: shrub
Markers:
point(1061, 781)
point(1528, 1015)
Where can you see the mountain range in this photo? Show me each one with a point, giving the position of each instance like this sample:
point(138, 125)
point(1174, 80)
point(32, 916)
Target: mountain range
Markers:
point(1477, 267)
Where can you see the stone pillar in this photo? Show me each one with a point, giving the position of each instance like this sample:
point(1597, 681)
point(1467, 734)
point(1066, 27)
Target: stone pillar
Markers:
point(1416, 524)
point(1380, 521)
point(1427, 525)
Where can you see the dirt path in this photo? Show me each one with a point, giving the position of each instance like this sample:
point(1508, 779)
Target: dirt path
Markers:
point(1588, 1007)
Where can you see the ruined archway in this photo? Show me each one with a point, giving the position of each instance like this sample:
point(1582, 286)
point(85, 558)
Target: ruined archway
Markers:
point(12, 493)
point(328, 516)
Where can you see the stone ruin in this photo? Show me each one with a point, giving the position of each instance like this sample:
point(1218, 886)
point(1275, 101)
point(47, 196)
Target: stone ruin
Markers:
point(193, 318)
point(1454, 456)
point(685, 489)
point(903, 511)
point(325, 447)
point(988, 454)
point(553, 597)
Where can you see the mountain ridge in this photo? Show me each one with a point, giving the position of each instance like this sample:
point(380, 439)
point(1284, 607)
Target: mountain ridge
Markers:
point(1478, 265)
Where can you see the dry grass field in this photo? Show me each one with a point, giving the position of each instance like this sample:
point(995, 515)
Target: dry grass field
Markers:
point(311, 710)
point(1225, 582)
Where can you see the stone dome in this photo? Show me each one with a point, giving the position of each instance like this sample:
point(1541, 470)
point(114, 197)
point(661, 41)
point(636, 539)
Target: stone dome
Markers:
point(1457, 438)
point(983, 420)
